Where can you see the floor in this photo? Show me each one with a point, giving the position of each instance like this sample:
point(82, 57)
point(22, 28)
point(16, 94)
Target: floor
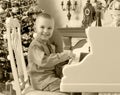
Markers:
point(5, 89)
point(2, 88)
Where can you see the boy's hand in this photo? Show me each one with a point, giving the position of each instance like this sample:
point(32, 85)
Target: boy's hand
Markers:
point(70, 54)
point(72, 57)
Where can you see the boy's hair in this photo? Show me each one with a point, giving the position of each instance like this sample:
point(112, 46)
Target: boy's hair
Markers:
point(44, 15)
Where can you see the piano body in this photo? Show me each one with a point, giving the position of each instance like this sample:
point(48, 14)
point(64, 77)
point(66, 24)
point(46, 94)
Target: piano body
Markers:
point(100, 69)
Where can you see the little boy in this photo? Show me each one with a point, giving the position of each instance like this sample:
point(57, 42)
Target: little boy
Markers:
point(42, 57)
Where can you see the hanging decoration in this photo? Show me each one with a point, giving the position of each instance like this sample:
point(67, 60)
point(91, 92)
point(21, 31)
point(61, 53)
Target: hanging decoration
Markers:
point(70, 6)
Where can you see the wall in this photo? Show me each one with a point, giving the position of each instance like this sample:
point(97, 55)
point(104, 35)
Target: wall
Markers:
point(53, 7)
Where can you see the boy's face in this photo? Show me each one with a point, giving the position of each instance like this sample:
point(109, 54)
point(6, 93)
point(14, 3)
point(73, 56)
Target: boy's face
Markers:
point(44, 27)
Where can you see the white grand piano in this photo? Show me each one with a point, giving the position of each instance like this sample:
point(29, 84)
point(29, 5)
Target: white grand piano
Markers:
point(100, 69)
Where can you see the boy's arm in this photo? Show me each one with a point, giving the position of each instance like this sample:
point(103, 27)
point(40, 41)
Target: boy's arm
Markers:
point(39, 58)
point(35, 55)
point(55, 58)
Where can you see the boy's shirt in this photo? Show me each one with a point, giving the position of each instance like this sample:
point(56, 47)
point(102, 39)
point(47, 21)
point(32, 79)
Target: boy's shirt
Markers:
point(41, 62)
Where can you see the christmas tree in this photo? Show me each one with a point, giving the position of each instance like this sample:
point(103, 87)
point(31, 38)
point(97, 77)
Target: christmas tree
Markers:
point(24, 11)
